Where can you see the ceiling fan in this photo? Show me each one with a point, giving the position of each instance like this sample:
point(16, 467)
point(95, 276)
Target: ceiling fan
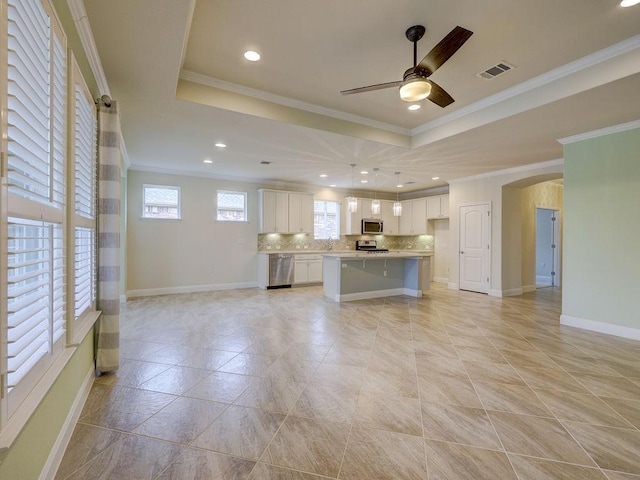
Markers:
point(415, 85)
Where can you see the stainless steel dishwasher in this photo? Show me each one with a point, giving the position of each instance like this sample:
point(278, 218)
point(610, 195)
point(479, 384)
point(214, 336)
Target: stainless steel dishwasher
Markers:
point(280, 270)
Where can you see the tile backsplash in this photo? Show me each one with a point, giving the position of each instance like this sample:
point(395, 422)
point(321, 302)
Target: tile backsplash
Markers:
point(303, 241)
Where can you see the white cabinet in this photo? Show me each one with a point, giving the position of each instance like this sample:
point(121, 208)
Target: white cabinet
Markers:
point(300, 213)
point(307, 268)
point(413, 220)
point(353, 221)
point(389, 220)
point(274, 211)
point(438, 207)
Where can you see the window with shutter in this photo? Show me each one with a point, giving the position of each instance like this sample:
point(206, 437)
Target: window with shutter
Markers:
point(34, 308)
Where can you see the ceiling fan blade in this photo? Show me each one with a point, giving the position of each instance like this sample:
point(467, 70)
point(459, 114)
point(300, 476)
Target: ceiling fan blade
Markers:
point(439, 96)
point(370, 88)
point(443, 51)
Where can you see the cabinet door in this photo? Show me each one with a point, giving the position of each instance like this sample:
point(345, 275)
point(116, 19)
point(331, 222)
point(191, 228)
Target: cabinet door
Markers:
point(281, 212)
point(390, 222)
point(267, 212)
point(306, 214)
point(352, 220)
point(315, 270)
point(433, 207)
point(444, 206)
point(406, 219)
point(364, 205)
point(419, 216)
point(295, 213)
point(300, 271)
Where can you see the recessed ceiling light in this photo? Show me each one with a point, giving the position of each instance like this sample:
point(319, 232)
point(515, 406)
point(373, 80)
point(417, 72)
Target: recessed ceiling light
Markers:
point(221, 145)
point(364, 180)
point(332, 185)
point(629, 3)
point(415, 106)
point(323, 175)
point(252, 56)
point(435, 178)
point(207, 160)
point(399, 185)
point(364, 172)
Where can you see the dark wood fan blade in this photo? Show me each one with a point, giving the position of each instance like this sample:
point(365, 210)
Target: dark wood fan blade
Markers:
point(371, 88)
point(443, 51)
point(439, 96)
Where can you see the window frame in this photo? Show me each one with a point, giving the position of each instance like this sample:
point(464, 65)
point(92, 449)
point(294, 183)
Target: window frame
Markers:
point(167, 187)
point(325, 202)
point(245, 209)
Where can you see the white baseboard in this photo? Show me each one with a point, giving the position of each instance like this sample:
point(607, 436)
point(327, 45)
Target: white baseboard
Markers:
point(545, 279)
point(57, 451)
point(528, 288)
point(441, 279)
point(123, 299)
point(149, 292)
point(601, 327)
point(453, 286)
point(412, 293)
point(496, 293)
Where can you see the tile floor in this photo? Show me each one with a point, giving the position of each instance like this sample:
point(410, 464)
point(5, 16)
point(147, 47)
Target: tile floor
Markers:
point(285, 384)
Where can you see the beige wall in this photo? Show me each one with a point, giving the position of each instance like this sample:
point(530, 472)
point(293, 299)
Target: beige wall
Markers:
point(542, 195)
point(441, 247)
point(489, 189)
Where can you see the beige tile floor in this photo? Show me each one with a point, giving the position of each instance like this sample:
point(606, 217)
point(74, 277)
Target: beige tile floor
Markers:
point(287, 385)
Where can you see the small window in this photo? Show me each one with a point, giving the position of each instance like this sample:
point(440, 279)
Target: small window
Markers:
point(232, 206)
point(161, 202)
point(326, 220)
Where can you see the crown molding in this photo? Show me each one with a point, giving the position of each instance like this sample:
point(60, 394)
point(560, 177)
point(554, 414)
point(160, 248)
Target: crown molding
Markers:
point(600, 132)
point(79, 15)
point(288, 102)
point(508, 171)
point(542, 80)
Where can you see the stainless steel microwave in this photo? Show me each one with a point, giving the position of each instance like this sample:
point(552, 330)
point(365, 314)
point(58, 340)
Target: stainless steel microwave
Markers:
point(371, 226)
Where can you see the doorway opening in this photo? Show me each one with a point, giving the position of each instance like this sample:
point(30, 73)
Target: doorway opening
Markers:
point(547, 248)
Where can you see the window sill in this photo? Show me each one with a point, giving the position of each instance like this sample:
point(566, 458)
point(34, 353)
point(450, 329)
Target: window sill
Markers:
point(82, 327)
point(148, 219)
point(232, 221)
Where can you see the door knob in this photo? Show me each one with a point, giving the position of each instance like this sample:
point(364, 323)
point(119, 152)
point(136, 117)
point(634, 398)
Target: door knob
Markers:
point(461, 253)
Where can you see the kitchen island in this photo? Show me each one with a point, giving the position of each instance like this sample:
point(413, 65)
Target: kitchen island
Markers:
point(358, 276)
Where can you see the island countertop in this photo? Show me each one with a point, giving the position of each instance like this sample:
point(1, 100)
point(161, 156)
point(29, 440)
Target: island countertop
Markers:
point(355, 255)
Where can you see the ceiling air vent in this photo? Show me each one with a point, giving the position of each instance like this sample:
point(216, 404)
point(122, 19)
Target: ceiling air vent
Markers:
point(495, 70)
point(264, 162)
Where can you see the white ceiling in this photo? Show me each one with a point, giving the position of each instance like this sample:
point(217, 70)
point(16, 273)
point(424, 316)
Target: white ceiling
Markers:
point(177, 70)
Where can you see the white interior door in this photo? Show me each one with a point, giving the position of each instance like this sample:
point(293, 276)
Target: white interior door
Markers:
point(475, 248)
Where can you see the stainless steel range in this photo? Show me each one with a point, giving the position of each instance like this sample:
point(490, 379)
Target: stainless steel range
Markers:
point(370, 246)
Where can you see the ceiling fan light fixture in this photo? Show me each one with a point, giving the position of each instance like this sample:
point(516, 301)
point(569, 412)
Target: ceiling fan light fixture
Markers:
point(629, 3)
point(415, 89)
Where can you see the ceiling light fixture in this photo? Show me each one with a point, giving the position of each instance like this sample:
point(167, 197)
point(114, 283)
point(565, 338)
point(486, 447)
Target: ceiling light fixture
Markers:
point(435, 178)
point(221, 145)
point(207, 160)
point(364, 180)
point(415, 88)
point(252, 56)
point(364, 172)
point(375, 203)
point(332, 185)
point(352, 202)
point(397, 205)
point(323, 175)
point(413, 107)
point(629, 3)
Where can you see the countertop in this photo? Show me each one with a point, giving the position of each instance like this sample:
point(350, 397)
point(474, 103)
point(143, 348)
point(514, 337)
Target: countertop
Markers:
point(378, 256)
point(357, 253)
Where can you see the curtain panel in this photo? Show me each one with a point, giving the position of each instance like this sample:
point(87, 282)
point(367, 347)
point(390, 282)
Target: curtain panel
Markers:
point(108, 325)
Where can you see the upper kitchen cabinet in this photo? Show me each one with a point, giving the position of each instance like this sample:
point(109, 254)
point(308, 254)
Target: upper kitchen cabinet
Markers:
point(389, 220)
point(300, 213)
point(438, 207)
point(274, 211)
point(413, 220)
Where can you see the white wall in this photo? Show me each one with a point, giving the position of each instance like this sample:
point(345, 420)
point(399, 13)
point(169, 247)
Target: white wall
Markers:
point(489, 189)
point(440, 259)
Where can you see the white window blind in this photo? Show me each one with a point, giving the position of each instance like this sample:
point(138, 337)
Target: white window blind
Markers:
point(36, 80)
point(35, 294)
point(232, 206)
point(85, 139)
point(85, 284)
point(161, 201)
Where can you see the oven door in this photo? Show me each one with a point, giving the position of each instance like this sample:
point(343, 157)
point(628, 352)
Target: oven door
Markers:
point(371, 226)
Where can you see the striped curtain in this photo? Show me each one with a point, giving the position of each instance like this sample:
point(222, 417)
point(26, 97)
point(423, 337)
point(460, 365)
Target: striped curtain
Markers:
point(108, 326)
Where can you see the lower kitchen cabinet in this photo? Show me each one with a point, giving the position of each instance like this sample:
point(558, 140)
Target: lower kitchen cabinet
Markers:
point(307, 269)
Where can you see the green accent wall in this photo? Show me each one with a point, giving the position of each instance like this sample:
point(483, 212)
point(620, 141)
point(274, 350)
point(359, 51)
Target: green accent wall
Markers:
point(601, 229)
point(28, 454)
